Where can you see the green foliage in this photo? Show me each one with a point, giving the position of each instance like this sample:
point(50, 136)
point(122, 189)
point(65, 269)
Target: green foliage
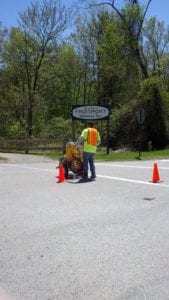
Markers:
point(156, 44)
point(152, 98)
point(117, 155)
point(60, 129)
point(124, 127)
point(104, 61)
point(150, 146)
point(60, 84)
point(16, 130)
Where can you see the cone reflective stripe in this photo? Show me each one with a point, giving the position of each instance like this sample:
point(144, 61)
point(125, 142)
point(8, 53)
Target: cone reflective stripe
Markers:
point(61, 177)
point(155, 175)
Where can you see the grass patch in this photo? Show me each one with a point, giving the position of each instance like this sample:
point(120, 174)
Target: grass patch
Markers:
point(132, 155)
point(3, 158)
point(118, 156)
point(50, 154)
point(112, 156)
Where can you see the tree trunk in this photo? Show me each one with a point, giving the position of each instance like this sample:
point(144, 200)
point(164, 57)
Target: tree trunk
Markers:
point(141, 63)
point(30, 117)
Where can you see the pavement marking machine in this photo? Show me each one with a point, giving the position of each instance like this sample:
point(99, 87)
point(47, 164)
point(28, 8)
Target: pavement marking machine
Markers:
point(72, 161)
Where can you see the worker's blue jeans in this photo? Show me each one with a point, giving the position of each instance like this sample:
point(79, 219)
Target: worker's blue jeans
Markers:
point(88, 158)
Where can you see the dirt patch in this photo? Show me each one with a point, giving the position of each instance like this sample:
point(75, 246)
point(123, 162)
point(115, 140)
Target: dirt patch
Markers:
point(23, 158)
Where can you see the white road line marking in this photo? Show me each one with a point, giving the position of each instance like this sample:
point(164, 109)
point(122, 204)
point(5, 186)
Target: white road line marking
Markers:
point(25, 167)
point(129, 166)
point(100, 176)
point(132, 180)
point(164, 160)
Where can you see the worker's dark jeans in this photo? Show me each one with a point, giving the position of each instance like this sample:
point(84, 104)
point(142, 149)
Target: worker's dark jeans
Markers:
point(88, 158)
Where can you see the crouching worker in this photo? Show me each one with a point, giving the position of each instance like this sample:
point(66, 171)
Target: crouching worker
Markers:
point(90, 137)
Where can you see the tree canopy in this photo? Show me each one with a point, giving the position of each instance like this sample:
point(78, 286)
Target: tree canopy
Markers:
point(113, 55)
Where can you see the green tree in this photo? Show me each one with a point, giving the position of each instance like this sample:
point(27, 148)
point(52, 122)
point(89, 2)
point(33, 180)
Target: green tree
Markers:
point(3, 109)
point(132, 16)
point(90, 41)
point(155, 102)
point(41, 24)
point(61, 81)
point(156, 46)
point(119, 74)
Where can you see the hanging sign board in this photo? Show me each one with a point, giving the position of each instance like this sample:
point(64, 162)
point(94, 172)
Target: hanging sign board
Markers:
point(90, 112)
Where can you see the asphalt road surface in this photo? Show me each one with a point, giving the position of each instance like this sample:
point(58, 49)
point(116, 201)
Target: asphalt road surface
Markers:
point(101, 240)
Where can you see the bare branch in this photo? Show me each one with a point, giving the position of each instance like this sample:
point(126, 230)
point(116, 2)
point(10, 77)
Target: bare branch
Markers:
point(144, 15)
point(47, 20)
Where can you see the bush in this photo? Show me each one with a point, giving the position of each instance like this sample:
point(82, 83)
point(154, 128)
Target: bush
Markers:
point(16, 130)
point(155, 105)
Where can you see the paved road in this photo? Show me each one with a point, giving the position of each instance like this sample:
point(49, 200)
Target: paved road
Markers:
point(107, 239)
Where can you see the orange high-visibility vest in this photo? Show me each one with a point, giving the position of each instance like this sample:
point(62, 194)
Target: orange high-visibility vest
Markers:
point(92, 136)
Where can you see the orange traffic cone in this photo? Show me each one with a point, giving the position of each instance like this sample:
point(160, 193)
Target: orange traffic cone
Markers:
point(155, 175)
point(61, 177)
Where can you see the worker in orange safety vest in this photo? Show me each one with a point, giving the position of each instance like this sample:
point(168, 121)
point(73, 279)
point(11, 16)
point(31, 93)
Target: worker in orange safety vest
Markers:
point(90, 137)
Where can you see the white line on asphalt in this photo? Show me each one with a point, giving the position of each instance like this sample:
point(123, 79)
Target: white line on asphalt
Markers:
point(129, 166)
point(132, 180)
point(164, 160)
point(101, 176)
point(25, 167)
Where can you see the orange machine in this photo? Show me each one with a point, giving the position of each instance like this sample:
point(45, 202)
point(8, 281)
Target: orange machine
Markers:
point(73, 159)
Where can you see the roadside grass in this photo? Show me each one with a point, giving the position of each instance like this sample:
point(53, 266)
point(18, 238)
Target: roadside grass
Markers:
point(119, 155)
point(112, 156)
point(3, 158)
point(133, 155)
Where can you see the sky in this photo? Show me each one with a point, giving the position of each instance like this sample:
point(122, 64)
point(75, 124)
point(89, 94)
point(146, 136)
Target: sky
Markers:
point(9, 10)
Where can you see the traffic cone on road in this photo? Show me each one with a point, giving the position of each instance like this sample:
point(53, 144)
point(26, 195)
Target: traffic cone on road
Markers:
point(61, 177)
point(155, 175)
